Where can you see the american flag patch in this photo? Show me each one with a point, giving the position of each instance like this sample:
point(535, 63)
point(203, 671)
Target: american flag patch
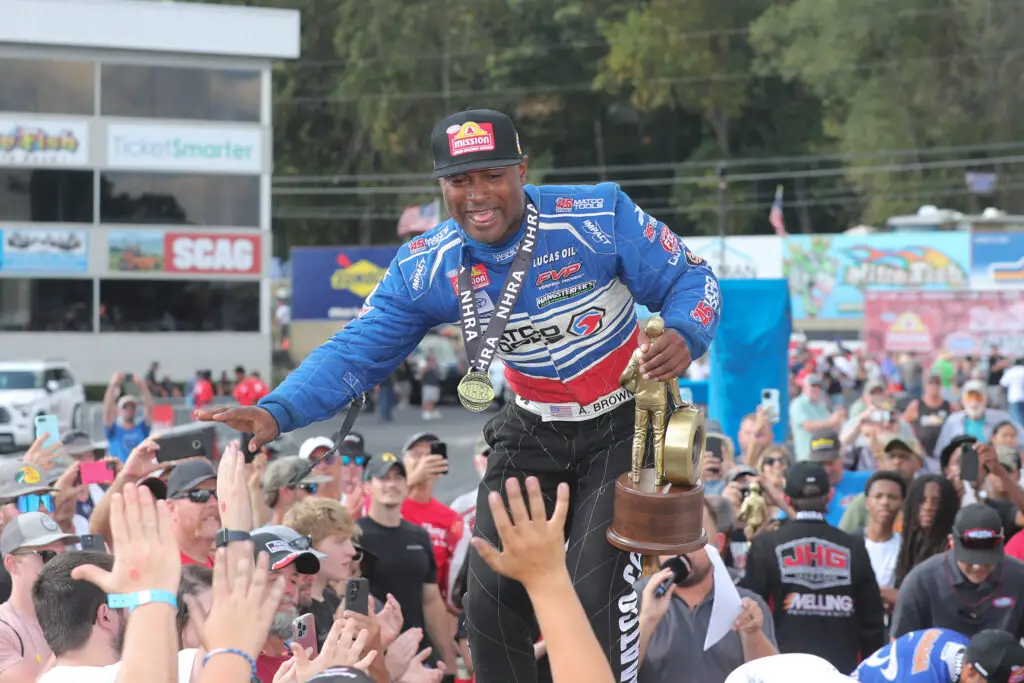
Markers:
point(561, 411)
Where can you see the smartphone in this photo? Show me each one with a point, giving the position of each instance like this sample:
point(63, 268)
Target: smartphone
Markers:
point(93, 542)
point(770, 404)
point(304, 633)
point(101, 472)
point(357, 596)
point(714, 446)
point(439, 448)
point(244, 443)
point(881, 416)
point(189, 441)
point(969, 464)
point(48, 424)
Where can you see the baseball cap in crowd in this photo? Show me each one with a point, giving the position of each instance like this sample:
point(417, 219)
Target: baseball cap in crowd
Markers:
point(419, 438)
point(188, 475)
point(806, 480)
point(740, 471)
point(20, 479)
point(906, 443)
point(874, 385)
point(285, 472)
point(815, 380)
point(1008, 456)
point(126, 399)
point(379, 466)
point(353, 449)
point(312, 444)
point(978, 535)
point(286, 546)
point(77, 442)
point(947, 452)
point(824, 445)
point(341, 674)
point(974, 386)
point(32, 530)
point(472, 140)
point(714, 427)
point(997, 655)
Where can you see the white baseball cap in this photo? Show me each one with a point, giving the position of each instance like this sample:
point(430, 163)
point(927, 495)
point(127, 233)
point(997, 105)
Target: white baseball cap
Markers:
point(310, 445)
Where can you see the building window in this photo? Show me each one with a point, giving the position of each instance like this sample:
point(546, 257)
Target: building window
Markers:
point(179, 306)
point(46, 86)
point(170, 199)
point(46, 196)
point(38, 305)
point(169, 92)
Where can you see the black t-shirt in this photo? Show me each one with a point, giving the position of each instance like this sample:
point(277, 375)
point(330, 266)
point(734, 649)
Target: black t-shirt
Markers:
point(929, 424)
point(5, 584)
point(405, 561)
point(1007, 512)
point(994, 376)
point(323, 614)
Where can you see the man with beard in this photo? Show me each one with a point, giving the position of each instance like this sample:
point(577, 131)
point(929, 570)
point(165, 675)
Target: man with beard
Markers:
point(976, 419)
point(192, 499)
point(290, 557)
point(672, 649)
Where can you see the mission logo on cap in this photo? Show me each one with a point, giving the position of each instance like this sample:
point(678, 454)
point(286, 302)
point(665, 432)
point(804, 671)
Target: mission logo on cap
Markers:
point(473, 140)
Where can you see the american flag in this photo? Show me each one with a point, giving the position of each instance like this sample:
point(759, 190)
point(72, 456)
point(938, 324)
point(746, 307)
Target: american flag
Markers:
point(419, 218)
point(561, 411)
point(775, 216)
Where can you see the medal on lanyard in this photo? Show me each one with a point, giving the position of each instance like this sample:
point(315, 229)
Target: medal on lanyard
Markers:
point(475, 390)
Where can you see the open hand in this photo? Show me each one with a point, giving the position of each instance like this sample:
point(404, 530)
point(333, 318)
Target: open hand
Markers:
point(248, 419)
point(233, 490)
point(420, 470)
point(400, 655)
point(533, 547)
point(418, 672)
point(146, 555)
point(390, 619)
point(665, 359)
point(42, 457)
point(142, 461)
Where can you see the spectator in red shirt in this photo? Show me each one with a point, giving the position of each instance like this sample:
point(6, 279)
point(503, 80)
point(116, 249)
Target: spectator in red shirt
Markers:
point(192, 498)
point(202, 392)
point(249, 389)
point(444, 525)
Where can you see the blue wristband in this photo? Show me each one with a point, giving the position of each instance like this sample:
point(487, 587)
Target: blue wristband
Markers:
point(232, 651)
point(133, 600)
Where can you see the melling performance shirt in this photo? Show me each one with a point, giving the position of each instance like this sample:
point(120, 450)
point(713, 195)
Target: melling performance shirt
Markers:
point(571, 330)
point(821, 589)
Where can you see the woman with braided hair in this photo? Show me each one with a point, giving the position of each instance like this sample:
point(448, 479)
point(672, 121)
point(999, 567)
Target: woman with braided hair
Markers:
point(928, 515)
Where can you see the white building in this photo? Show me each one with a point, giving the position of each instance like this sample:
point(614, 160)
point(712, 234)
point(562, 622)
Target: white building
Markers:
point(135, 164)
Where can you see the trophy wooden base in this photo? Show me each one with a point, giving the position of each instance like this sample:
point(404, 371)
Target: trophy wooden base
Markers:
point(666, 520)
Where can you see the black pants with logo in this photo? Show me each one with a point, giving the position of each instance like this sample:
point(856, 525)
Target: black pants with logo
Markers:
point(589, 456)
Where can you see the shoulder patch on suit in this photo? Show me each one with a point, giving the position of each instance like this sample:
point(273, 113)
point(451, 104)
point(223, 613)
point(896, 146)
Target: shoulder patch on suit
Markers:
point(418, 259)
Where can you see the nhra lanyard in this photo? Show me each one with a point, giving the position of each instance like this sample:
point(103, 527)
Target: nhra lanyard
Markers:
point(808, 516)
point(481, 345)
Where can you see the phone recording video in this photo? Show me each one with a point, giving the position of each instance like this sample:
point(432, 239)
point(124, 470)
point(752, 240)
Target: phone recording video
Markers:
point(189, 441)
point(101, 472)
point(439, 448)
point(969, 463)
point(304, 632)
point(357, 596)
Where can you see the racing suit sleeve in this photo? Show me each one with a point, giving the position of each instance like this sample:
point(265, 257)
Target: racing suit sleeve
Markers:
point(356, 359)
point(870, 612)
point(665, 276)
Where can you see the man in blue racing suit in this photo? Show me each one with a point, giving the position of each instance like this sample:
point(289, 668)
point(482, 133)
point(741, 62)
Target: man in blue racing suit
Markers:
point(938, 655)
point(549, 279)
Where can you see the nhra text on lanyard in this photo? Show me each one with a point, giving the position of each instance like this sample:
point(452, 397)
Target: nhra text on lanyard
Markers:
point(481, 345)
point(808, 515)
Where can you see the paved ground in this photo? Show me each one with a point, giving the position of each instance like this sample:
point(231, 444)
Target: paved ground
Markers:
point(459, 428)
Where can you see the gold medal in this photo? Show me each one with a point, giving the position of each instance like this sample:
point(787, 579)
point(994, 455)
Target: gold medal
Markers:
point(476, 392)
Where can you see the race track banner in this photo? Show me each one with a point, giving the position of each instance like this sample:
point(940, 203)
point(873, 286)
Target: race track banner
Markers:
point(997, 260)
point(963, 323)
point(331, 283)
point(744, 257)
point(830, 274)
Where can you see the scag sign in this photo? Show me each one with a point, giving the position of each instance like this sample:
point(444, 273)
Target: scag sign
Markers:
point(212, 254)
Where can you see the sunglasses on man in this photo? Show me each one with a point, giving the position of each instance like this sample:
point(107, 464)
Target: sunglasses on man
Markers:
point(200, 496)
point(44, 555)
point(33, 501)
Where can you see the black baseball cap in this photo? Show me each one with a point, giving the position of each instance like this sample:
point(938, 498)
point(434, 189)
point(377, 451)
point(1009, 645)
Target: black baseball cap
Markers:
point(379, 466)
point(188, 475)
point(824, 445)
point(997, 655)
point(472, 140)
point(978, 535)
point(806, 479)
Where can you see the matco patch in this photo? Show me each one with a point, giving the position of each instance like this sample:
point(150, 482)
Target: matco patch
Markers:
point(470, 137)
point(814, 563)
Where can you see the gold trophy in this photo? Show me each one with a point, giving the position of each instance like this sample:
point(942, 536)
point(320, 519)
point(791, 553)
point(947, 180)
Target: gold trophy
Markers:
point(754, 511)
point(660, 510)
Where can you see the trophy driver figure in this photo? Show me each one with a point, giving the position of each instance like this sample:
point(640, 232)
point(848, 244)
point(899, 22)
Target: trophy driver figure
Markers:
point(651, 407)
point(546, 279)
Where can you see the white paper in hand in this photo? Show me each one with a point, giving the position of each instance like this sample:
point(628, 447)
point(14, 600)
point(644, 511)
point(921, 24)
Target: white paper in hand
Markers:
point(727, 604)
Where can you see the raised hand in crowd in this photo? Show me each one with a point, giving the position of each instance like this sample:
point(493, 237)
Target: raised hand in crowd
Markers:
point(147, 566)
point(419, 470)
point(254, 478)
point(419, 672)
point(400, 655)
point(345, 646)
point(533, 553)
point(233, 643)
point(372, 626)
point(354, 501)
point(233, 490)
point(140, 464)
point(246, 419)
point(40, 456)
point(390, 619)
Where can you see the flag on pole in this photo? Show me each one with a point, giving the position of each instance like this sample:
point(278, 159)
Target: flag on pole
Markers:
point(775, 216)
point(419, 218)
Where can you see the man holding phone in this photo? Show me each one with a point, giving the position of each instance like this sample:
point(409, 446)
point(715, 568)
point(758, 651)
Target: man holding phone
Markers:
point(426, 458)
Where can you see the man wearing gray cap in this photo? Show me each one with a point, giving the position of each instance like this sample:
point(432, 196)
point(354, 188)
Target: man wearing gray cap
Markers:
point(976, 418)
point(285, 482)
point(27, 543)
